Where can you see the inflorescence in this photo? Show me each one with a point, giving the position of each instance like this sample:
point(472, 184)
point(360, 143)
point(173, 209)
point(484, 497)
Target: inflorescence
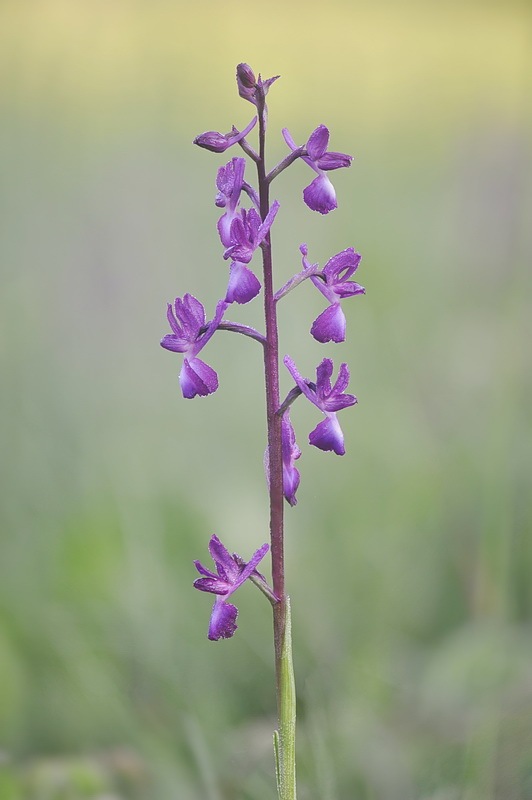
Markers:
point(242, 231)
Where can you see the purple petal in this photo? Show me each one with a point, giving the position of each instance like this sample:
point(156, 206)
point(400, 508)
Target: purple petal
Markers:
point(197, 378)
point(243, 285)
point(327, 435)
point(174, 324)
point(288, 139)
point(341, 266)
point(195, 310)
point(204, 571)
point(330, 325)
point(190, 314)
point(224, 228)
point(320, 195)
point(337, 402)
point(342, 380)
point(317, 142)
point(348, 289)
point(223, 620)
point(225, 563)
point(324, 372)
point(333, 160)
point(173, 343)
point(253, 223)
point(212, 585)
point(240, 248)
point(309, 393)
point(257, 556)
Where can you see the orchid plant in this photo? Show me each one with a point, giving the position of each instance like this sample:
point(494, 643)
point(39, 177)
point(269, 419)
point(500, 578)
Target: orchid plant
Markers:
point(243, 231)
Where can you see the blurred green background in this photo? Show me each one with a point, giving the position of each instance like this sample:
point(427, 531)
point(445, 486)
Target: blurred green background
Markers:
point(409, 560)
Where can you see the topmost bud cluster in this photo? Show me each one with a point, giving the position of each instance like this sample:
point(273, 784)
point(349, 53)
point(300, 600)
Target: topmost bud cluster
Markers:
point(249, 87)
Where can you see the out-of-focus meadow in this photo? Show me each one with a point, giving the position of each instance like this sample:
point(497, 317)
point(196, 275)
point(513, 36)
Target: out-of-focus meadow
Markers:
point(409, 560)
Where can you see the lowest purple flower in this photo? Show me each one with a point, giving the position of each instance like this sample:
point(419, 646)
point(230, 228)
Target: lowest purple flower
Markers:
point(327, 435)
point(334, 284)
point(229, 575)
point(320, 195)
point(229, 182)
point(190, 335)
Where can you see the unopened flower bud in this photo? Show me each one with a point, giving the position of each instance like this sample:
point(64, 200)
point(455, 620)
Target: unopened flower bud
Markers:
point(246, 82)
point(246, 76)
point(213, 141)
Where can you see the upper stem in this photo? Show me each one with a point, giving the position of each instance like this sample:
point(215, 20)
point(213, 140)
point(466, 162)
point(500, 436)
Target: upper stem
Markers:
point(271, 372)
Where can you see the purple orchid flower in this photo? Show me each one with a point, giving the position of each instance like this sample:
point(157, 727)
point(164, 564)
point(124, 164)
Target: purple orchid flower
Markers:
point(247, 84)
point(190, 335)
point(229, 182)
point(334, 284)
point(219, 142)
point(327, 435)
point(291, 453)
point(320, 195)
point(229, 575)
point(247, 233)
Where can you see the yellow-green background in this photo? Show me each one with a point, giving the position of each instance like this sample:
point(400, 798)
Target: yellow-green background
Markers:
point(408, 560)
